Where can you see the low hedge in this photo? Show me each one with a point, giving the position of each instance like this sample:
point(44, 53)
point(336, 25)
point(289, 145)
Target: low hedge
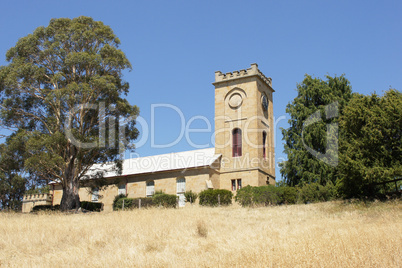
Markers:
point(91, 206)
point(271, 195)
point(45, 208)
point(130, 203)
point(210, 197)
point(165, 200)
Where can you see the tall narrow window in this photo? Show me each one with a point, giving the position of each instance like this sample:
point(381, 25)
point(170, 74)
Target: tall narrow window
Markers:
point(236, 186)
point(181, 185)
point(264, 138)
point(150, 188)
point(95, 195)
point(238, 183)
point(122, 189)
point(236, 142)
point(181, 188)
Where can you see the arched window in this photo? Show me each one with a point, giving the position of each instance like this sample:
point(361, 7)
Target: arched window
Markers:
point(264, 138)
point(150, 190)
point(236, 142)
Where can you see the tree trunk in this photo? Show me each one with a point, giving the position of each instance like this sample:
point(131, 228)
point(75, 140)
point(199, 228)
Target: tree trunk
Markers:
point(71, 184)
point(71, 198)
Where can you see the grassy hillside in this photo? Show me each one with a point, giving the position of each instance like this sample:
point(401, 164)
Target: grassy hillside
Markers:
point(332, 234)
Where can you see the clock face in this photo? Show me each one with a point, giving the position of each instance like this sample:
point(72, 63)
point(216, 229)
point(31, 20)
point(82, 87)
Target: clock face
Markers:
point(264, 102)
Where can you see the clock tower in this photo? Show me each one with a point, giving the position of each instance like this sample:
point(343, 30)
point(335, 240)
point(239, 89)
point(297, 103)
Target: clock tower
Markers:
point(244, 131)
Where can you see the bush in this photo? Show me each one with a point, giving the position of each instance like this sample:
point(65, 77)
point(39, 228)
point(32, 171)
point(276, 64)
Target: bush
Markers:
point(210, 197)
point(45, 208)
point(245, 196)
point(262, 195)
point(130, 203)
point(314, 192)
point(267, 195)
point(42, 208)
point(91, 206)
point(289, 195)
point(190, 196)
point(271, 195)
point(116, 199)
point(165, 200)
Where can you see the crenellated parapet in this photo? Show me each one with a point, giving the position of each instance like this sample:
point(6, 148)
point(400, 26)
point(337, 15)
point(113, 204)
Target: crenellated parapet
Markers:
point(31, 200)
point(37, 197)
point(253, 70)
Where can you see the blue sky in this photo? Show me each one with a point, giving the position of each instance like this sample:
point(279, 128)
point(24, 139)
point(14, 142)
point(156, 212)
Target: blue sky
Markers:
point(176, 46)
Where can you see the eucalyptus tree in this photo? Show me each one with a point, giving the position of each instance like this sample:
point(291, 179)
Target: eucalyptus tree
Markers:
point(12, 180)
point(64, 87)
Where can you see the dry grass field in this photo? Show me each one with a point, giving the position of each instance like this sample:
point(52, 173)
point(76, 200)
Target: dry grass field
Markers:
point(317, 235)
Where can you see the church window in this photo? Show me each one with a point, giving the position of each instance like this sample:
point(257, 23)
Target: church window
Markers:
point(181, 185)
point(236, 184)
point(122, 189)
point(264, 138)
point(236, 151)
point(95, 195)
point(150, 190)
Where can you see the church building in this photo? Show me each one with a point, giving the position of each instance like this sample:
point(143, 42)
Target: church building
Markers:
point(243, 153)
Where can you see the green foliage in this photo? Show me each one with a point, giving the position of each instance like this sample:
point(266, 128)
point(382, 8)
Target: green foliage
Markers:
point(116, 199)
point(131, 203)
point(314, 95)
point(314, 192)
point(12, 178)
point(245, 196)
point(38, 190)
point(371, 143)
point(70, 69)
point(190, 196)
point(165, 200)
point(289, 195)
point(91, 206)
point(45, 208)
point(267, 195)
point(210, 197)
point(262, 195)
point(271, 195)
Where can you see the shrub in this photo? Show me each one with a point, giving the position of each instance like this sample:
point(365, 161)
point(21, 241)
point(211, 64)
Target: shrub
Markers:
point(210, 197)
point(42, 208)
point(314, 192)
point(271, 195)
point(45, 208)
point(116, 199)
point(308, 193)
point(130, 203)
point(190, 196)
point(165, 200)
point(245, 196)
point(267, 195)
point(91, 206)
point(289, 195)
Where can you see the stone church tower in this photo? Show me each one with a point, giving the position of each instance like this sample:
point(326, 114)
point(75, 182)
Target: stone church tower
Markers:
point(244, 127)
